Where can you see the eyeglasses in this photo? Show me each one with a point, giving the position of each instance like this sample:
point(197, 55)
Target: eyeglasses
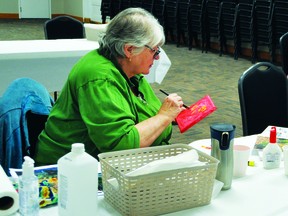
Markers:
point(156, 52)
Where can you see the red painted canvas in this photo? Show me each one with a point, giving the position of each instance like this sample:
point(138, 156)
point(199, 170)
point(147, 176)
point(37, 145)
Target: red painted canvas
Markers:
point(195, 113)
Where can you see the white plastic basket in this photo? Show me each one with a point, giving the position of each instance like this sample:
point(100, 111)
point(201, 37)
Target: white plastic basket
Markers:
point(155, 193)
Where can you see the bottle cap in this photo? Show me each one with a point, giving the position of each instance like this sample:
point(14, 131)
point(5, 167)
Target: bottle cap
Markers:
point(78, 148)
point(273, 135)
point(28, 167)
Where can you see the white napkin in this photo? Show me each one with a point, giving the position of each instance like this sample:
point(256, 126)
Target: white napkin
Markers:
point(184, 160)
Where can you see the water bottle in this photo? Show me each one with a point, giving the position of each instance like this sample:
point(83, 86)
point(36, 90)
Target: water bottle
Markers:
point(77, 183)
point(222, 140)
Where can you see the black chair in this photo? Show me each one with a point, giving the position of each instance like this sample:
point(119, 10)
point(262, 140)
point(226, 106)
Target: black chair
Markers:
point(245, 27)
point(227, 26)
point(125, 4)
point(263, 95)
point(64, 27)
point(279, 24)
point(24, 108)
point(136, 3)
point(35, 124)
point(115, 8)
point(148, 5)
point(212, 21)
point(159, 10)
point(171, 21)
point(105, 9)
point(263, 22)
point(283, 42)
point(183, 21)
point(196, 22)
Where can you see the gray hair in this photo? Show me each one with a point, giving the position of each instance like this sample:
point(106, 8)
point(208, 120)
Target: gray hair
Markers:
point(133, 26)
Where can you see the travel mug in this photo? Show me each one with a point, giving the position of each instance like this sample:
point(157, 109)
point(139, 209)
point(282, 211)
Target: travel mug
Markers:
point(222, 140)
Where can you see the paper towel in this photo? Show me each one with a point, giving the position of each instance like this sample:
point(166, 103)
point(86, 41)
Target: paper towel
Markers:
point(183, 160)
point(9, 200)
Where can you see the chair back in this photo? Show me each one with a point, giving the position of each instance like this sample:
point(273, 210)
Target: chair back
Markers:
point(283, 51)
point(24, 108)
point(64, 27)
point(263, 98)
point(35, 124)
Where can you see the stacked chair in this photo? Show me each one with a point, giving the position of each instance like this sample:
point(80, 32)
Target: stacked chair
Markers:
point(197, 12)
point(245, 27)
point(279, 23)
point(105, 9)
point(125, 4)
point(227, 26)
point(115, 8)
point(136, 3)
point(211, 20)
point(283, 51)
point(158, 10)
point(183, 20)
point(171, 15)
point(255, 23)
point(263, 30)
point(148, 5)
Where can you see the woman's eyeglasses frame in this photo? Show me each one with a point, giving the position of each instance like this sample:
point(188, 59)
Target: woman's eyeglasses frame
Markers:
point(156, 52)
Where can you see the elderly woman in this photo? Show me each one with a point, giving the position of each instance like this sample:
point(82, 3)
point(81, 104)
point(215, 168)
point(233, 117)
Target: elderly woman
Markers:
point(106, 103)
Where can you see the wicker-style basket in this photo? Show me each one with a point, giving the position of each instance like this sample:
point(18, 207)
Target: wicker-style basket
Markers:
point(155, 193)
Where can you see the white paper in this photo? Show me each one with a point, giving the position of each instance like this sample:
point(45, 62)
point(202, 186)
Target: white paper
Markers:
point(282, 132)
point(184, 160)
point(285, 158)
point(217, 187)
point(9, 200)
point(159, 69)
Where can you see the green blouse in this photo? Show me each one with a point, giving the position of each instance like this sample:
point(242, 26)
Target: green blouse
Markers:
point(98, 108)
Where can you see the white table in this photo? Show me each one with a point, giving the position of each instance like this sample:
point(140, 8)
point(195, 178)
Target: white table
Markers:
point(260, 192)
point(47, 61)
point(50, 61)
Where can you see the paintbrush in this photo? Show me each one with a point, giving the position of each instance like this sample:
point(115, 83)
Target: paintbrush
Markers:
point(168, 94)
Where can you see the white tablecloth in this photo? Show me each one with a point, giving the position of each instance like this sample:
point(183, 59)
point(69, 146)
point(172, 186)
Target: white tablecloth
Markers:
point(260, 192)
point(50, 61)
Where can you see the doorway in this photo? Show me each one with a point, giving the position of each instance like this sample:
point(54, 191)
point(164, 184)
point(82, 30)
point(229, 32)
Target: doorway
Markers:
point(34, 8)
point(91, 9)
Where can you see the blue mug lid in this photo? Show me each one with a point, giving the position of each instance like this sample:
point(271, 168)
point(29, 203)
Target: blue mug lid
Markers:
point(224, 133)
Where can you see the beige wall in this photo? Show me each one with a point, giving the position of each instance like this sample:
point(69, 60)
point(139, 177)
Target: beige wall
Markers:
point(57, 6)
point(71, 7)
point(8, 6)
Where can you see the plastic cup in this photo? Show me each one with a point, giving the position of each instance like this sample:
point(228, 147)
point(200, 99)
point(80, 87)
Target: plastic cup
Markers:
point(285, 158)
point(241, 156)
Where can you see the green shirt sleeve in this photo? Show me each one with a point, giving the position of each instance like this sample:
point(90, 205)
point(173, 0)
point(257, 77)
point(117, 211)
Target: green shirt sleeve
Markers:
point(109, 115)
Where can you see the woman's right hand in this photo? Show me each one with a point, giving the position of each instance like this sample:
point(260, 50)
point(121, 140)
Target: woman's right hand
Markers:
point(172, 106)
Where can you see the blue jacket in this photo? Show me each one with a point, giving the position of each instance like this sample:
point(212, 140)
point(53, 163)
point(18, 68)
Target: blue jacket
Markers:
point(21, 96)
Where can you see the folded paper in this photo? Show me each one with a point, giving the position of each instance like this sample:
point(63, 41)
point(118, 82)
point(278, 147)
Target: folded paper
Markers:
point(183, 160)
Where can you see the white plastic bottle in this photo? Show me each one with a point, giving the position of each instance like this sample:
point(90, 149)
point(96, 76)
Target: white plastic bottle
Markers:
point(272, 152)
point(77, 183)
point(28, 189)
